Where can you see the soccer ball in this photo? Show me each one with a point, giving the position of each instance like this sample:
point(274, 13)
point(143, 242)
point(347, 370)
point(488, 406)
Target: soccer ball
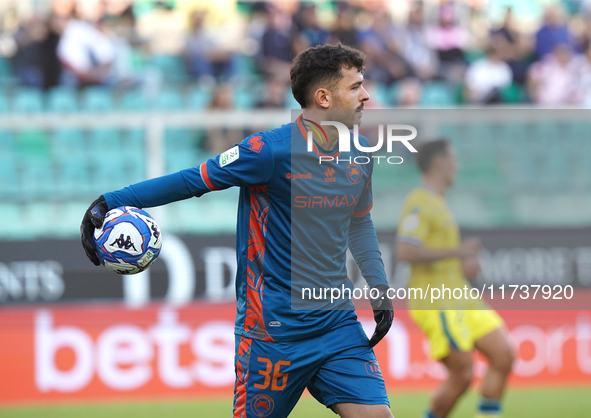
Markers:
point(129, 240)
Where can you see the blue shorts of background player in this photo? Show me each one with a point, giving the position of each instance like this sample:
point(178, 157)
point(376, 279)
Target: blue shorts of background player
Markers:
point(336, 367)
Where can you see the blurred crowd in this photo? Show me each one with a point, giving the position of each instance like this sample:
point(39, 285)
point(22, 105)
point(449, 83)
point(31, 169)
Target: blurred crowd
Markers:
point(450, 46)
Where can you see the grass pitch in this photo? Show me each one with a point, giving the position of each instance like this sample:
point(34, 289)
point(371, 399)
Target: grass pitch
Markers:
point(519, 403)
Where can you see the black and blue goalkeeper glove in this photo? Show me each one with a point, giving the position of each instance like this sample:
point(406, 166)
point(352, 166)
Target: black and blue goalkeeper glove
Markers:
point(93, 218)
point(383, 313)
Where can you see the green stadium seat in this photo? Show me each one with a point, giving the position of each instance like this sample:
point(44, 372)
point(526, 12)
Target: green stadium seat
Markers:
point(468, 208)
point(291, 102)
point(171, 67)
point(169, 99)
point(243, 98)
point(11, 225)
point(97, 99)
point(67, 144)
point(437, 94)
point(133, 101)
point(35, 216)
point(108, 172)
point(7, 143)
point(36, 180)
point(27, 100)
point(523, 172)
point(104, 141)
point(6, 71)
point(4, 108)
point(513, 94)
point(9, 187)
point(72, 179)
point(61, 99)
point(133, 140)
point(33, 144)
point(199, 98)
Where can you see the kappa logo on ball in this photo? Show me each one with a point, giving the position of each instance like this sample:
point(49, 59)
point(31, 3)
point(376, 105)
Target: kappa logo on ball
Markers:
point(262, 405)
point(229, 156)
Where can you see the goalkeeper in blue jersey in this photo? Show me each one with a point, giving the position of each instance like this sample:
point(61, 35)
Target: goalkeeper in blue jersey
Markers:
point(294, 229)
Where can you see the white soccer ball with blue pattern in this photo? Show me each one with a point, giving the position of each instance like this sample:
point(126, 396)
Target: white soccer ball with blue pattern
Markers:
point(129, 240)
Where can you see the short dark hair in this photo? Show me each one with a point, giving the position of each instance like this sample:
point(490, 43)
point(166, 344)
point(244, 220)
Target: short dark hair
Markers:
point(322, 65)
point(428, 151)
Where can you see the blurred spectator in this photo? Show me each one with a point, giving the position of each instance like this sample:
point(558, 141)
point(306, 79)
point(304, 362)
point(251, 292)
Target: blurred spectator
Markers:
point(415, 49)
point(121, 31)
point(219, 140)
point(511, 47)
point(28, 59)
point(584, 84)
point(86, 54)
point(36, 61)
point(276, 44)
point(308, 31)
point(50, 62)
point(410, 92)
point(553, 32)
point(204, 56)
point(385, 63)
point(553, 80)
point(344, 30)
point(450, 40)
point(275, 94)
point(486, 77)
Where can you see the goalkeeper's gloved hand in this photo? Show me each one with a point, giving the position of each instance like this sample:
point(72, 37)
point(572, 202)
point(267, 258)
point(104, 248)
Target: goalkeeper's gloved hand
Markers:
point(93, 218)
point(383, 313)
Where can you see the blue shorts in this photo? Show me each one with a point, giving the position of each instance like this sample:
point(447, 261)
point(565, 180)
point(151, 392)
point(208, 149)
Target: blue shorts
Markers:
point(339, 366)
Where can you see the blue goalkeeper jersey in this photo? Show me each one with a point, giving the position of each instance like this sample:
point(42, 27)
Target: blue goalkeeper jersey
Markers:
point(296, 219)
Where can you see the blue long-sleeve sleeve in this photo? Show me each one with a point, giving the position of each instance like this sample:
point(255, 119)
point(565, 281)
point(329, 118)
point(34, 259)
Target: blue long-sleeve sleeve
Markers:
point(155, 192)
point(364, 246)
point(250, 162)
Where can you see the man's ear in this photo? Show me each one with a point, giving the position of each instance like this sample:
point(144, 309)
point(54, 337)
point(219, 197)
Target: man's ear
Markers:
point(322, 97)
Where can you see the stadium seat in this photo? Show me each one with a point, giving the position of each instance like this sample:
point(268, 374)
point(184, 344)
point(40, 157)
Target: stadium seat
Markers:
point(6, 71)
point(108, 172)
point(523, 171)
point(468, 208)
point(513, 94)
point(67, 144)
point(104, 141)
point(35, 216)
point(480, 138)
point(290, 101)
point(97, 99)
point(133, 140)
point(243, 98)
point(133, 101)
point(199, 97)
point(7, 143)
point(9, 187)
point(61, 99)
point(33, 144)
point(437, 94)
point(171, 67)
point(36, 180)
point(27, 100)
point(72, 179)
point(11, 225)
point(4, 108)
point(169, 99)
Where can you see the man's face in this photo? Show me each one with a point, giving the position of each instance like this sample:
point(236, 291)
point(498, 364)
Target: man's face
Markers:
point(350, 95)
point(447, 166)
